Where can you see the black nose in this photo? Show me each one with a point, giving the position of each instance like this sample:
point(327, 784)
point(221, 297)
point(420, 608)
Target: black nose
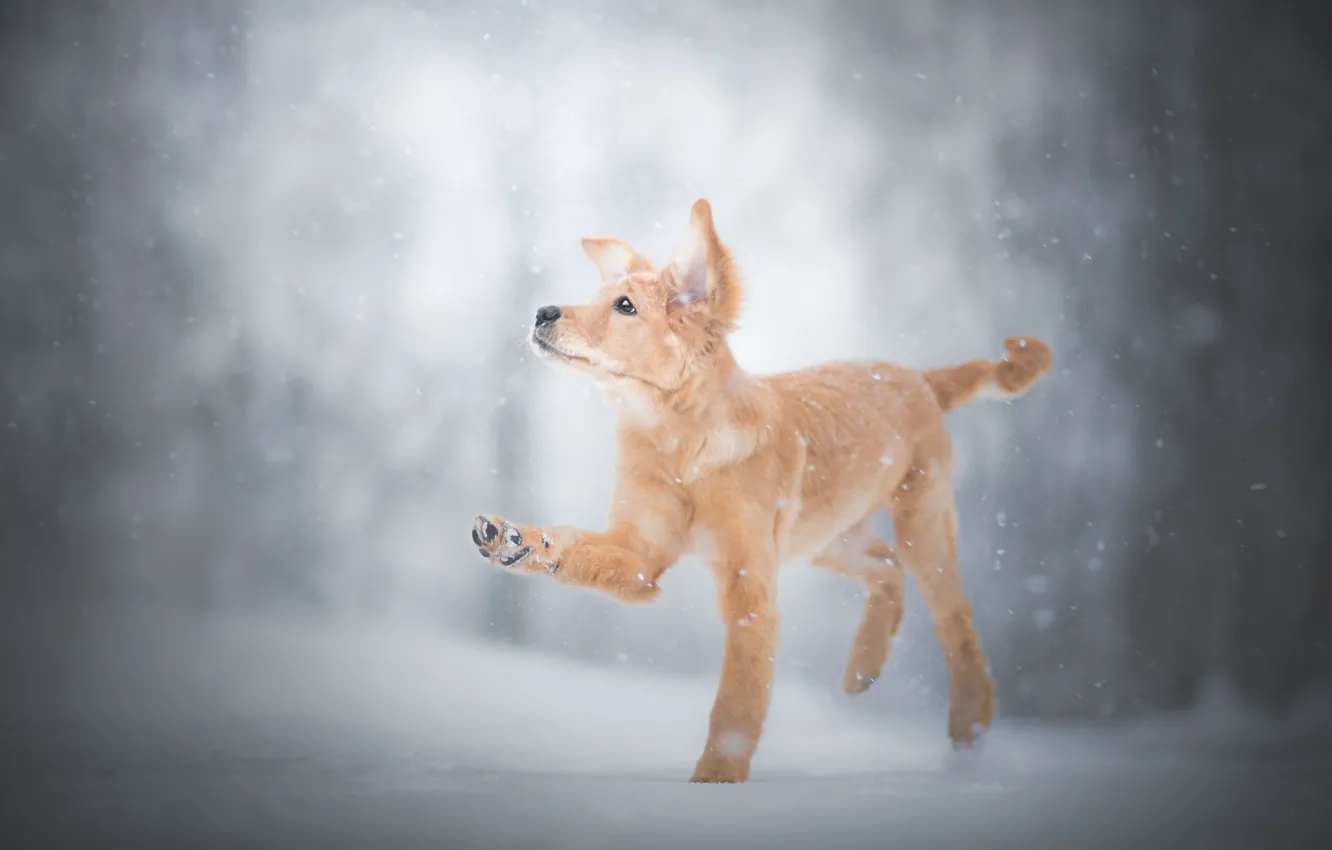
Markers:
point(547, 314)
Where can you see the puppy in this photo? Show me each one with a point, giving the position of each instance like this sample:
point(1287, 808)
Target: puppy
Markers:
point(748, 472)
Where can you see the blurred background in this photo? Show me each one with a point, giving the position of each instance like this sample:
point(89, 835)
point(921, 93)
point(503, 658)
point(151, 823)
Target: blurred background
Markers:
point(267, 271)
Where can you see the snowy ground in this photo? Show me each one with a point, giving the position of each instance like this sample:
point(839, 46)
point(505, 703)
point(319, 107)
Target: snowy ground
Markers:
point(252, 736)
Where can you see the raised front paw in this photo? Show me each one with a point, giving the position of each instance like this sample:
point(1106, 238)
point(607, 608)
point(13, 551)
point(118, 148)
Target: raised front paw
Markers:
point(503, 544)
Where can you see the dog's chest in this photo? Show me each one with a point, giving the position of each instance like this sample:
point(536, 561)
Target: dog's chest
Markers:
point(690, 459)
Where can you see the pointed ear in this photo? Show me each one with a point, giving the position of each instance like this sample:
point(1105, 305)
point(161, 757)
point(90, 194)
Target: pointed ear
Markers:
point(615, 259)
point(701, 269)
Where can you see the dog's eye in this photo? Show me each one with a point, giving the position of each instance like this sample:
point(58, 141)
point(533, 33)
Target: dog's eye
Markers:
point(624, 306)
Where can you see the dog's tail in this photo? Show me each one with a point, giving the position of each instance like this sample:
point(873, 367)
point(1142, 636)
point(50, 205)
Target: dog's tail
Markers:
point(1027, 359)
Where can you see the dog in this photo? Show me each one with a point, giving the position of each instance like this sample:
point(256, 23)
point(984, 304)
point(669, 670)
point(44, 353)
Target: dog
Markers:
point(748, 472)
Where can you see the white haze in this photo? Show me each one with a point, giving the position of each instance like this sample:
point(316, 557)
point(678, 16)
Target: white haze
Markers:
point(362, 210)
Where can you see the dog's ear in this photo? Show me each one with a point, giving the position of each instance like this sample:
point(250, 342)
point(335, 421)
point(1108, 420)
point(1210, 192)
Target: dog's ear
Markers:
point(615, 259)
point(701, 271)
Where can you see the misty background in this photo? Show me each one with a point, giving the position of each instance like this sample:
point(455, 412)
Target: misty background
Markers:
point(268, 270)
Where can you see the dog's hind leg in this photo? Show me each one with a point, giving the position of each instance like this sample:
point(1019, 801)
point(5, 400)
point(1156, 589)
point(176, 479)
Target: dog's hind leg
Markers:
point(858, 554)
point(926, 521)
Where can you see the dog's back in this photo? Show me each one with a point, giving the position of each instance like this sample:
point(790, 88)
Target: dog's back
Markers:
point(867, 425)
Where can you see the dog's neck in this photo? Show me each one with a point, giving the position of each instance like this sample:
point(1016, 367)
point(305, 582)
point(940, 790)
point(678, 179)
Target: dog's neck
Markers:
point(716, 417)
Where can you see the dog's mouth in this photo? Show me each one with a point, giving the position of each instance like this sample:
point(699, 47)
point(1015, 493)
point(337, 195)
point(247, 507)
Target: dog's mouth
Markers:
point(545, 347)
point(550, 350)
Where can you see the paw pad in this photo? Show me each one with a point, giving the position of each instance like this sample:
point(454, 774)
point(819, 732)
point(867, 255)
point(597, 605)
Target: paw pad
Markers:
point(500, 543)
point(508, 559)
point(484, 531)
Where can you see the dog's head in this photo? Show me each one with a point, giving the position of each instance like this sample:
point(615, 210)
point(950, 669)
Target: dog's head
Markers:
point(654, 329)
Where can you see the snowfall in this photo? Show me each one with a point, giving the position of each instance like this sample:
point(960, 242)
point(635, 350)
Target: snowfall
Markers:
point(253, 734)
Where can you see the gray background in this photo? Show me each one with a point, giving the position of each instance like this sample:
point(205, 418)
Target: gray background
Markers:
point(266, 271)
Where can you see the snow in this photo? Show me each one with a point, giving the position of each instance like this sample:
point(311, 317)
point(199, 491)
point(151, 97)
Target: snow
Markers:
point(258, 734)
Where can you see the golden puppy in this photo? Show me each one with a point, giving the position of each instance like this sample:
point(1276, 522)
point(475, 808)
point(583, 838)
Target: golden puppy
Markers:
point(747, 472)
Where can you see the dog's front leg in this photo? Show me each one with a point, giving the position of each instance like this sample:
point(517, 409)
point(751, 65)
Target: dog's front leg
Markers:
point(647, 534)
point(615, 562)
point(746, 584)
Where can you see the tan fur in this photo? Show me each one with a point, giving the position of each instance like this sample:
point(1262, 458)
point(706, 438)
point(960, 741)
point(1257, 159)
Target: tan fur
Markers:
point(754, 471)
